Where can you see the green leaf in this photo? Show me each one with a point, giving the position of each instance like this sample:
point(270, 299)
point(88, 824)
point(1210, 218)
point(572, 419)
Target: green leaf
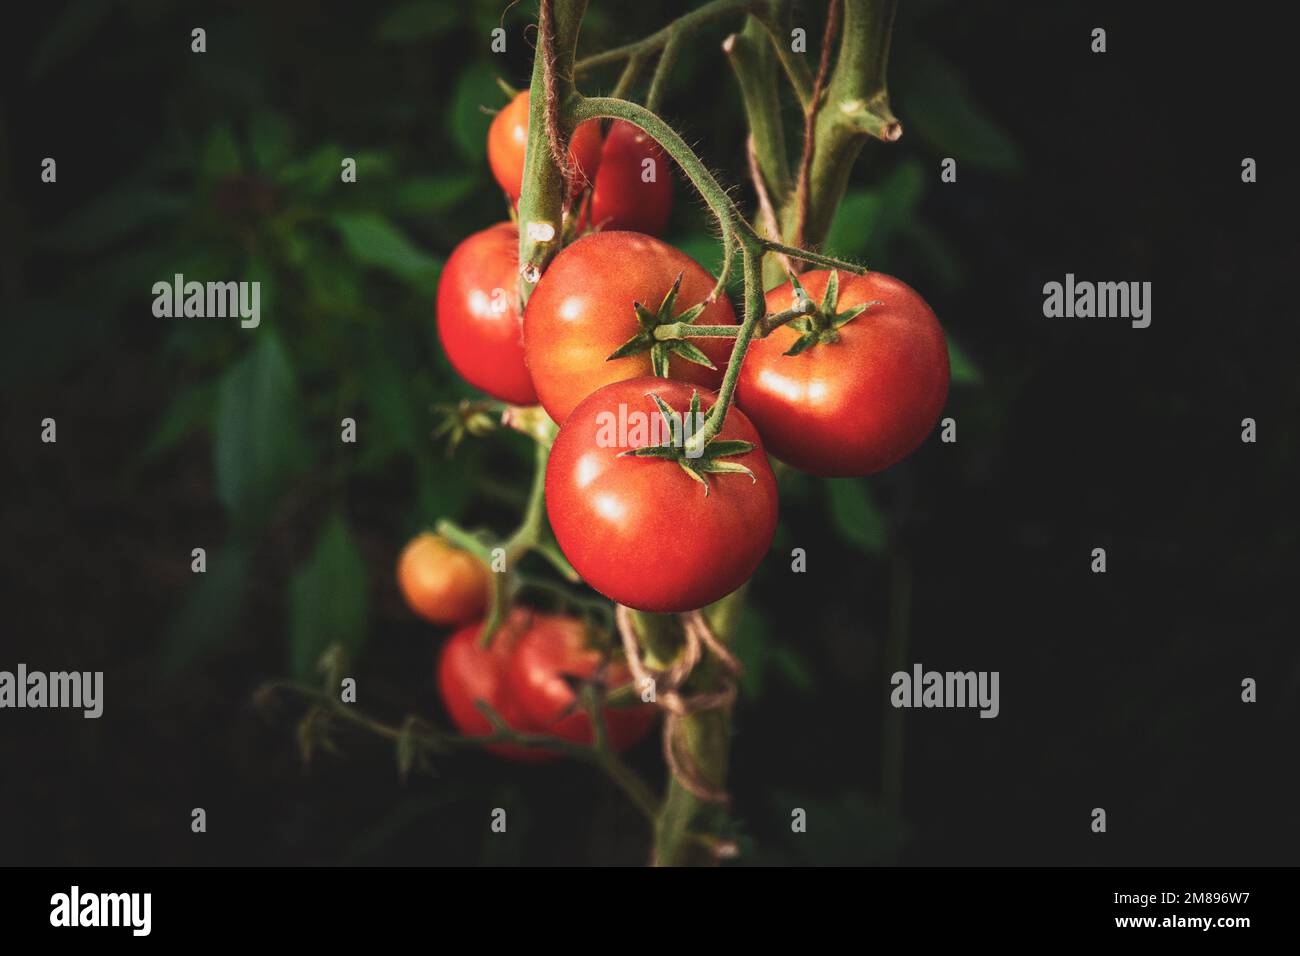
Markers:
point(211, 613)
point(939, 106)
point(271, 139)
point(762, 655)
point(258, 446)
point(220, 154)
point(855, 515)
point(868, 219)
point(475, 89)
point(964, 371)
point(328, 601)
point(415, 22)
point(188, 411)
point(375, 241)
point(71, 32)
point(433, 193)
point(112, 217)
point(316, 172)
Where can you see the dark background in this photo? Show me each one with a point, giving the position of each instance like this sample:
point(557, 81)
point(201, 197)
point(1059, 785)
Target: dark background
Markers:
point(1119, 691)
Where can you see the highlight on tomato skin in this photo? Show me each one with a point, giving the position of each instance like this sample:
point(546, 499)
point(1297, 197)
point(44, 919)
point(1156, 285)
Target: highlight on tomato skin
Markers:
point(479, 323)
point(584, 309)
point(857, 404)
point(641, 530)
point(442, 583)
point(508, 142)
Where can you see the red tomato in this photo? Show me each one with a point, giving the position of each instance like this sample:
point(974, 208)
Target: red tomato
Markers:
point(441, 583)
point(582, 310)
point(467, 673)
point(623, 198)
point(857, 405)
point(553, 648)
point(641, 530)
point(478, 314)
point(508, 141)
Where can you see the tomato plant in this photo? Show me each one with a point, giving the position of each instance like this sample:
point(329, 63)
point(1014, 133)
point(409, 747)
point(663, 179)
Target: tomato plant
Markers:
point(441, 583)
point(591, 318)
point(656, 490)
point(478, 314)
point(853, 388)
point(508, 142)
point(659, 534)
point(633, 189)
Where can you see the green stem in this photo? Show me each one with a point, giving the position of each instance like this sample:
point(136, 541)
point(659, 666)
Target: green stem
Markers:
point(599, 107)
point(528, 534)
point(750, 55)
point(599, 756)
point(855, 108)
point(659, 82)
point(751, 257)
point(672, 331)
point(656, 41)
point(685, 834)
point(541, 202)
point(777, 23)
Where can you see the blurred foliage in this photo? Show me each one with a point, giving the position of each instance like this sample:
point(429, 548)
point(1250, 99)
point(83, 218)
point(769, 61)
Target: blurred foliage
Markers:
point(237, 176)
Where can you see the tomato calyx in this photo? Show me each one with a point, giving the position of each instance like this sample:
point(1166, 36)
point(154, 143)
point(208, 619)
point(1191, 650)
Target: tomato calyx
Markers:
point(661, 349)
point(698, 461)
point(822, 325)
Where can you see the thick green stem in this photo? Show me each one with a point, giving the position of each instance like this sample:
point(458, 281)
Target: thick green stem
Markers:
point(855, 109)
point(687, 827)
point(751, 57)
point(541, 202)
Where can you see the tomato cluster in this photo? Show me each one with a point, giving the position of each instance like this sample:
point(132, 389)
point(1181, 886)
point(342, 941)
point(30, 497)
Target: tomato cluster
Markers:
point(527, 676)
point(528, 672)
point(608, 345)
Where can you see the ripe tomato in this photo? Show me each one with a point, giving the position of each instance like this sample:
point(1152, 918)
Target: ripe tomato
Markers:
point(467, 673)
point(508, 141)
point(643, 531)
point(583, 310)
point(860, 403)
point(553, 648)
point(478, 314)
point(622, 197)
point(441, 583)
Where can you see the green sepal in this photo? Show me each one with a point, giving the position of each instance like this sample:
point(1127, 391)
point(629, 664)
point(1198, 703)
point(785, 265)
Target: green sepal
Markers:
point(692, 354)
point(659, 359)
point(803, 343)
point(723, 447)
point(637, 344)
